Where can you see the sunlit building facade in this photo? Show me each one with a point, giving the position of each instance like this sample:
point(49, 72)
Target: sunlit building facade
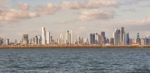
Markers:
point(43, 36)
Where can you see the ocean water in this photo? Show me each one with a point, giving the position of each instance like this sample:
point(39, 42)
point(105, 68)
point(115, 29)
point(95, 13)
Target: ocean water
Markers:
point(75, 60)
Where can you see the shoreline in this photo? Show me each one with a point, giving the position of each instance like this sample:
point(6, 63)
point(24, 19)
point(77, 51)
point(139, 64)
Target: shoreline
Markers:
point(65, 46)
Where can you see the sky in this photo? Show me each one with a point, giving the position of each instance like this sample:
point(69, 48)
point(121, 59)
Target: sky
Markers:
point(82, 17)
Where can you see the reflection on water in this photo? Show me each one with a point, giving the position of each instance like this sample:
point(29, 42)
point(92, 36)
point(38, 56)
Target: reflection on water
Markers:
point(75, 61)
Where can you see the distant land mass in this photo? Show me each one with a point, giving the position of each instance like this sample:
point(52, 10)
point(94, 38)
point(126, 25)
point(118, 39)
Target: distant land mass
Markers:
point(66, 46)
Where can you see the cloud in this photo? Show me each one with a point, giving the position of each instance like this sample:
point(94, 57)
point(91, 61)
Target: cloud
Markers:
point(90, 4)
point(24, 7)
point(71, 5)
point(134, 2)
point(145, 21)
point(9, 15)
point(102, 3)
point(95, 14)
point(3, 4)
point(137, 25)
point(25, 12)
point(47, 9)
point(2, 1)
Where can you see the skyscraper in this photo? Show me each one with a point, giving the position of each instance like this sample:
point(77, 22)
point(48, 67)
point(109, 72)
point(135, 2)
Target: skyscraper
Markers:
point(52, 40)
point(122, 35)
point(111, 41)
point(147, 41)
point(33, 41)
point(117, 37)
point(48, 38)
point(68, 37)
point(138, 39)
point(25, 39)
point(1, 41)
point(127, 39)
point(39, 39)
point(93, 38)
point(43, 36)
point(80, 40)
point(100, 39)
point(87, 41)
point(61, 39)
point(103, 40)
point(36, 40)
point(7, 41)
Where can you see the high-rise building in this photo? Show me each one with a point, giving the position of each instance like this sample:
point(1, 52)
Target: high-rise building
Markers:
point(43, 36)
point(96, 38)
point(36, 40)
point(103, 38)
point(52, 40)
point(127, 39)
point(48, 38)
point(61, 39)
point(1, 41)
point(80, 40)
point(16, 41)
point(25, 39)
point(39, 39)
point(111, 41)
point(87, 41)
point(7, 42)
point(100, 39)
point(147, 41)
point(93, 38)
point(142, 41)
point(117, 37)
point(107, 41)
point(33, 41)
point(138, 39)
point(68, 37)
point(122, 35)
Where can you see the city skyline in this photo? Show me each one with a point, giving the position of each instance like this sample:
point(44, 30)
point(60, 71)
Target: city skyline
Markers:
point(120, 37)
point(82, 17)
point(75, 36)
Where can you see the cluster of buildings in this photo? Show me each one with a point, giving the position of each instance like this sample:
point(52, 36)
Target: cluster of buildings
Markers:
point(4, 41)
point(120, 38)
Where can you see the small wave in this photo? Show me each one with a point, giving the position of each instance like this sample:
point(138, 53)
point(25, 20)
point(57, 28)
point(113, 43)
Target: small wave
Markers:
point(140, 70)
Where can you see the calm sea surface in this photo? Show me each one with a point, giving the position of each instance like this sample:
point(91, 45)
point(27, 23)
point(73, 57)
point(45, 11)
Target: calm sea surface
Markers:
point(74, 60)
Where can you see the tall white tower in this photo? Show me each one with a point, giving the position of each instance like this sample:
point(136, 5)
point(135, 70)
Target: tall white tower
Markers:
point(48, 38)
point(43, 36)
point(68, 37)
point(61, 39)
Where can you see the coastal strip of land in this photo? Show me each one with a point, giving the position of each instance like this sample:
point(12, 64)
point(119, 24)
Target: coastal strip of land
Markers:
point(65, 46)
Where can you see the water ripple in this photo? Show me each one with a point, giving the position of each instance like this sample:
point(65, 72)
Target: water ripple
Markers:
point(75, 61)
